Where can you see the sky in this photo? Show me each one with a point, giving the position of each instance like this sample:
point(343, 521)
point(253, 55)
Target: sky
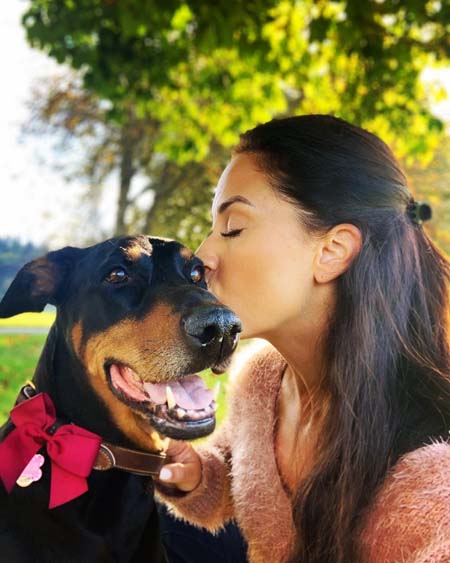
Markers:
point(35, 202)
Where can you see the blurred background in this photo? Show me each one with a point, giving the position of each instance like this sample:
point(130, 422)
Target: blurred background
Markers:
point(118, 116)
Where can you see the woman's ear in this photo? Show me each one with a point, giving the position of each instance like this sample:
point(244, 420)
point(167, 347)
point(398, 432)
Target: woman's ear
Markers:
point(39, 282)
point(336, 252)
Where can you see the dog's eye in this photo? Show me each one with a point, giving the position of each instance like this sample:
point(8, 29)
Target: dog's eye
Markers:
point(197, 273)
point(118, 275)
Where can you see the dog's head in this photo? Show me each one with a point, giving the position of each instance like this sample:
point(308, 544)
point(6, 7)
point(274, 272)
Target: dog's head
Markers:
point(136, 313)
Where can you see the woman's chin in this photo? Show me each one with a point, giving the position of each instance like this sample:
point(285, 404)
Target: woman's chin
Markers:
point(250, 335)
point(246, 334)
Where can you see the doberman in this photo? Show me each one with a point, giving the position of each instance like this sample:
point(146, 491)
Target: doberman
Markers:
point(134, 323)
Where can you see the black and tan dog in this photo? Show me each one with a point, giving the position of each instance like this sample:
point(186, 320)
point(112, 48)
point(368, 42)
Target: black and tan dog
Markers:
point(134, 323)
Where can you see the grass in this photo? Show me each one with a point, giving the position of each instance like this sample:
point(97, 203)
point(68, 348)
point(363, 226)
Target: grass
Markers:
point(29, 320)
point(18, 358)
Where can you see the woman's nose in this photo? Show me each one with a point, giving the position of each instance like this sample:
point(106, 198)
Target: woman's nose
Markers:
point(209, 259)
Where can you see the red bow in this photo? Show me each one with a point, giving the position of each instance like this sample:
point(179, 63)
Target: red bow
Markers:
point(72, 449)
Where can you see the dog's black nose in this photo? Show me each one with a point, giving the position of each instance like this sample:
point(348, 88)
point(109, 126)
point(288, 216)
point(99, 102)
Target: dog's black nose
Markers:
point(212, 328)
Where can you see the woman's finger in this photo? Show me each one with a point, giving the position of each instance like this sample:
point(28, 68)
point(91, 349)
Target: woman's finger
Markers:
point(184, 476)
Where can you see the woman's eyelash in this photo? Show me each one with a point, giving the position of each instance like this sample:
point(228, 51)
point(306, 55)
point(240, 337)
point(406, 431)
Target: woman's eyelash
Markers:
point(232, 233)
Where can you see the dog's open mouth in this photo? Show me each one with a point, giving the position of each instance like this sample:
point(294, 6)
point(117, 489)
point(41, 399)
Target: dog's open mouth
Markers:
point(182, 409)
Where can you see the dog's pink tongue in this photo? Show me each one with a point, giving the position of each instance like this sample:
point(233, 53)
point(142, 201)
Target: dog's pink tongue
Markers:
point(190, 392)
point(122, 379)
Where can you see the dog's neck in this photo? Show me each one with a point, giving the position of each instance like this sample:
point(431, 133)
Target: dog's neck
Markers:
point(60, 374)
point(116, 516)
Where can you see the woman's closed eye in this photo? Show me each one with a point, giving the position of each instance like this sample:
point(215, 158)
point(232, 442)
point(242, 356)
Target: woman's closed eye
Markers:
point(232, 233)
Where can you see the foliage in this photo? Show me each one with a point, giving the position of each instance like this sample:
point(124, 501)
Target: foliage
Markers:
point(163, 89)
point(207, 71)
point(79, 121)
point(431, 183)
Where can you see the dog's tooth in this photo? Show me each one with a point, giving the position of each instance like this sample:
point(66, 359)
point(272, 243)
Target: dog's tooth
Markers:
point(214, 406)
point(170, 398)
point(200, 414)
point(216, 391)
point(181, 413)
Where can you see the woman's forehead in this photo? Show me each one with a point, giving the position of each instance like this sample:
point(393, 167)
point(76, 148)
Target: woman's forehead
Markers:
point(240, 178)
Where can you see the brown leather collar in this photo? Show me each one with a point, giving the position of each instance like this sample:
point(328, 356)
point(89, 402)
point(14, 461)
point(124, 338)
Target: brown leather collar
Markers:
point(111, 456)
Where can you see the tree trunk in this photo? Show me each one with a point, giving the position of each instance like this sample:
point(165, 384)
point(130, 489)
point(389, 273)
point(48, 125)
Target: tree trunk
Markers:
point(127, 171)
point(151, 213)
point(162, 189)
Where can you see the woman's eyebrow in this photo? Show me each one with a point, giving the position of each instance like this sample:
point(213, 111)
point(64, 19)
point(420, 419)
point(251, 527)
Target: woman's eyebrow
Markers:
point(231, 200)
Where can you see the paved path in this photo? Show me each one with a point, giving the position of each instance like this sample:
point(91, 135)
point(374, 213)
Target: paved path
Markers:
point(23, 330)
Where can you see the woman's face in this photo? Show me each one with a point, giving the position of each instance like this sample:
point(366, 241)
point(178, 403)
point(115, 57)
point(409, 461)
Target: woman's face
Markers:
point(258, 258)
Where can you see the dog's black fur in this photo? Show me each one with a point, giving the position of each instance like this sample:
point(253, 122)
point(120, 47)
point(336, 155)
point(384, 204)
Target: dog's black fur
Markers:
point(116, 520)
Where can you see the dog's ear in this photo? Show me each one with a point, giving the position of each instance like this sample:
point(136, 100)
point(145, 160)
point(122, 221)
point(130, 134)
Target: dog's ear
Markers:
point(40, 282)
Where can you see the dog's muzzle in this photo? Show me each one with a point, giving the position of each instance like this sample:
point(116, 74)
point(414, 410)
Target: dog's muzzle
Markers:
point(213, 331)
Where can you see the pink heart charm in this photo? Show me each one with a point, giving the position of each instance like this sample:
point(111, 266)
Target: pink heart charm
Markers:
point(32, 471)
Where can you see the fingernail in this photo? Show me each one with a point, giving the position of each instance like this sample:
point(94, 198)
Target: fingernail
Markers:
point(165, 474)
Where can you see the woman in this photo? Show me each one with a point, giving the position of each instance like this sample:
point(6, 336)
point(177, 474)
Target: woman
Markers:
point(335, 448)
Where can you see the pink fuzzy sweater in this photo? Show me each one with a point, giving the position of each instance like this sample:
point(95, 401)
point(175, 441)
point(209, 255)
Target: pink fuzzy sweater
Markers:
point(408, 522)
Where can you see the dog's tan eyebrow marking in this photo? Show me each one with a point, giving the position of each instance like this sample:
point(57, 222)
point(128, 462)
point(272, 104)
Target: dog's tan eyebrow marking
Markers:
point(133, 252)
point(234, 199)
point(186, 253)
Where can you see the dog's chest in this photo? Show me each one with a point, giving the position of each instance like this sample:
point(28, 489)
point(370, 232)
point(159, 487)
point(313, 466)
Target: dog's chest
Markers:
point(115, 521)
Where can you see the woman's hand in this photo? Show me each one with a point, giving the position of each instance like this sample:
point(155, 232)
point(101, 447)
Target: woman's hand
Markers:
point(185, 471)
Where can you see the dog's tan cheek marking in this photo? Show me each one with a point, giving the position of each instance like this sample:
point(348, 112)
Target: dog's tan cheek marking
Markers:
point(150, 346)
point(77, 338)
point(168, 348)
point(137, 429)
point(97, 350)
point(126, 342)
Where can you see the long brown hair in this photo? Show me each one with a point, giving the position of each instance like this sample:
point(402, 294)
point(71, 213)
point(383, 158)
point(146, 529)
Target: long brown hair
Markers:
point(388, 360)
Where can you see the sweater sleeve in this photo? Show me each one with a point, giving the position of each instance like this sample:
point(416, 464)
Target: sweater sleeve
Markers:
point(210, 504)
point(409, 521)
point(438, 552)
